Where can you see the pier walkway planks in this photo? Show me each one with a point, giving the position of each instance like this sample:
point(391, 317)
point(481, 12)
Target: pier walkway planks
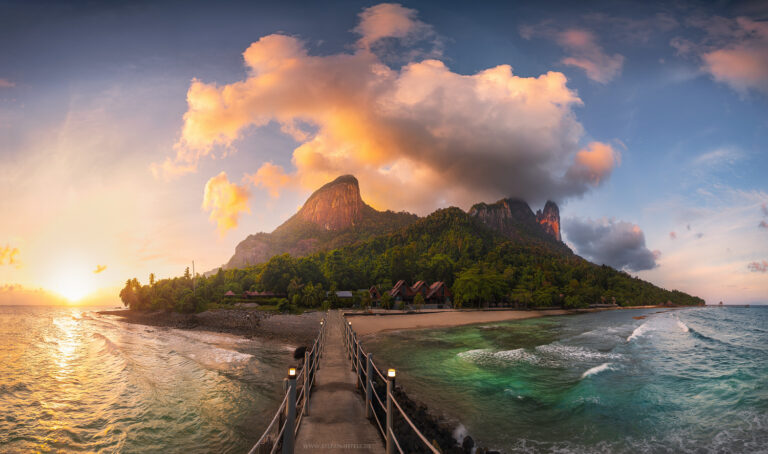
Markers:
point(336, 421)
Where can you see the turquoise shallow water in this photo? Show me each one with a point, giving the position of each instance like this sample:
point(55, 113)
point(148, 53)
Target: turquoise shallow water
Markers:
point(74, 381)
point(692, 380)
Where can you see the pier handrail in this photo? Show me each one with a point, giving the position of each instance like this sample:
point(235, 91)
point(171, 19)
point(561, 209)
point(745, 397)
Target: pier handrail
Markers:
point(295, 405)
point(356, 355)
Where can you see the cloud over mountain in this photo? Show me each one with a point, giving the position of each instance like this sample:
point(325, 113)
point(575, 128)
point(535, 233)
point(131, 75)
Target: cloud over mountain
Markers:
point(607, 241)
point(437, 136)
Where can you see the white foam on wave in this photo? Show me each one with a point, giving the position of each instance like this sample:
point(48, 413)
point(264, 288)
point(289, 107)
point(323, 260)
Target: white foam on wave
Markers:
point(639, 331)
point(487, 356)
point(660, 324)
point(572, 352)
point(597, 369)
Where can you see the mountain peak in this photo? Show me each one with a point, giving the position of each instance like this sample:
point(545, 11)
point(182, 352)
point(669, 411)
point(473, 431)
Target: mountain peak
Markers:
point(335, 206)
point(513, 218)
point(549, 219)
point(334, 215)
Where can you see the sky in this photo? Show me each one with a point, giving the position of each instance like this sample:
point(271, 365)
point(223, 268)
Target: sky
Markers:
point(138, 137)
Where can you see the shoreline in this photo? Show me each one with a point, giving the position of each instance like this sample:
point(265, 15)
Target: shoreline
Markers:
point(292, 329)
point(366, 324)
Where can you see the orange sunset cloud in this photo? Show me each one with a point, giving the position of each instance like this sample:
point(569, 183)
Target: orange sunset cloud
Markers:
point(438, 136)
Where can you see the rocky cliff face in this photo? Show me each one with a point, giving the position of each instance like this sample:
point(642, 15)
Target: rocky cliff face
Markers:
point(335, 206)
point(515, 219)
point(550, 219)
point(335, 215)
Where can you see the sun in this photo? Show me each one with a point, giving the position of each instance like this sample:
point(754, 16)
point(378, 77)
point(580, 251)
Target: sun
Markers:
point(73, 281)
point(74, 291)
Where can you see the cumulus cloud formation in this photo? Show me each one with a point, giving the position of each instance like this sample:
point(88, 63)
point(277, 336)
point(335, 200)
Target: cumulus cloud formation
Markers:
point(584, 51)
point(8, 255)
point(99, 269)
point(758, 267)
point(226, 201)
point(437, 136)
point(733, 51)
point(5, 83)
point(615, 243)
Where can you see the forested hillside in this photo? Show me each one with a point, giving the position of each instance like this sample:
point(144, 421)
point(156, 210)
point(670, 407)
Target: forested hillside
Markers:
point(481, 265)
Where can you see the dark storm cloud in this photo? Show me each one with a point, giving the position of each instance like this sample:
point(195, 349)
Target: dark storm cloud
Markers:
point(615, 243)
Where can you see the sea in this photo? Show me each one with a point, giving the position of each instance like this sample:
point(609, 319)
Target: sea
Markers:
point(691, 380)
point(72, 380)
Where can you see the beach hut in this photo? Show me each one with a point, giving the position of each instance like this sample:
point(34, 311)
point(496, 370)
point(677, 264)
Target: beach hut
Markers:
point(439, 293)
point(420, 287)
point(401, 291)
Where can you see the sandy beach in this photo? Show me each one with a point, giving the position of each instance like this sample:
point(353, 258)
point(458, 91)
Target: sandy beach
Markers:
point(372, 324)
point(365, 324)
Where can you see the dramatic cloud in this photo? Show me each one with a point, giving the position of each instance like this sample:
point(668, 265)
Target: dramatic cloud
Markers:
point(673, 235)
point(438, 136)
point(225, 201)
point(607, 241)
point(8, 255)
point(99, 269)
point(585, 52)
point(733, 51)
point(758, 267)
point(5, 83)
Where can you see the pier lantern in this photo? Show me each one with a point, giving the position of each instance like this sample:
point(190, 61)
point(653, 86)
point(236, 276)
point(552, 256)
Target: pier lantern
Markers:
point(292, 372)
point(391, 373)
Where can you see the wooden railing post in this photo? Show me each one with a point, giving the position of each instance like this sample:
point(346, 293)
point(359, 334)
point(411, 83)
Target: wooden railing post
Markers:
point(290, 416)
point(358, 366)
point(368, 384)
point(307, 382)
point(390, 377)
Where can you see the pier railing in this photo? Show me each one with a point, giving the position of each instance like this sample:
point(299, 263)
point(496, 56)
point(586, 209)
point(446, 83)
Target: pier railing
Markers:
point(280, 434)
point(372, 381)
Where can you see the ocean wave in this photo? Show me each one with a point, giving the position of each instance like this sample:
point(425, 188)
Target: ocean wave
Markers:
point(639, 331)
point(109, 346)
point(488, 356)
point(550, 355)
point(219, 359)
point(575, 353)
point(596, 370)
